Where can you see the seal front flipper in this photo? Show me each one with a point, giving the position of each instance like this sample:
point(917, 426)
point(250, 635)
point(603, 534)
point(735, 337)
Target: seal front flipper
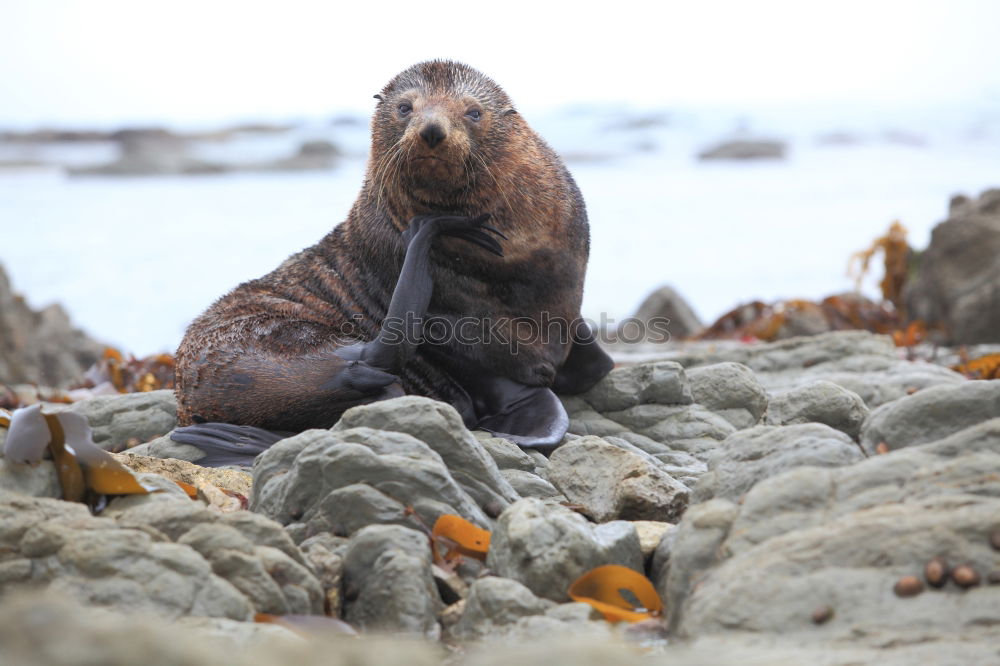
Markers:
point(586, 364)
point(530, 416)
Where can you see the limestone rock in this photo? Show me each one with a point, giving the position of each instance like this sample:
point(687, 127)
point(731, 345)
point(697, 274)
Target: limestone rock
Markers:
point(748, 456)
point(819, 402)
point(339, 481)
point(494, 602)
point(547, 547)
point(731, 390)
point(99, 561)
point(841, 537)
point(40, 480)
point(117, 418)
point(164, 447)
point(613, 483)
point(388, 584)
point(931, 414)
point(661, 383)
point(440, 427)
point(527, 484)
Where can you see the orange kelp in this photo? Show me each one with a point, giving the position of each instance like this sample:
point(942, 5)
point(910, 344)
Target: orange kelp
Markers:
point(86, 472)
point(459, 536)
point(602, 588)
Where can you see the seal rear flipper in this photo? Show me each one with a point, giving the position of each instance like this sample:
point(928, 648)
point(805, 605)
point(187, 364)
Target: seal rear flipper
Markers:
point(227, 444)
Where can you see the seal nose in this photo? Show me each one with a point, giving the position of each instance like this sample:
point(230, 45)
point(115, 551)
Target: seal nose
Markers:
point(432, 134)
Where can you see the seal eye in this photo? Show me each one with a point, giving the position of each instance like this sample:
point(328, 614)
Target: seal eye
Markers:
point(474, 114)
point(404, 109)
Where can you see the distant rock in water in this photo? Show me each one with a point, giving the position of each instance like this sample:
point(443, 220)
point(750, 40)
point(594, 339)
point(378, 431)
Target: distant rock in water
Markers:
point(745, 149)
point(957, 285)
point(317, 154)
point(40, 347)
point(160, 152)
point(667, 305)
point(150, 152)
point(48, 135)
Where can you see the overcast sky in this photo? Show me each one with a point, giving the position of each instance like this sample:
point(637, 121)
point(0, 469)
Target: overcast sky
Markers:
point(203, 61)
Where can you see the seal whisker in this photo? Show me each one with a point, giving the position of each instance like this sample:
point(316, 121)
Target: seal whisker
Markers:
point(500, 189)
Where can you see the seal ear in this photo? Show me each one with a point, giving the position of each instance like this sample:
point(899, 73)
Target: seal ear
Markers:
point(509, 112)
point(379, 97)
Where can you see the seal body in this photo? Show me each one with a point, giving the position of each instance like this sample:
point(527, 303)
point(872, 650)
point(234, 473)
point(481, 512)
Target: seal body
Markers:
point(411, 294)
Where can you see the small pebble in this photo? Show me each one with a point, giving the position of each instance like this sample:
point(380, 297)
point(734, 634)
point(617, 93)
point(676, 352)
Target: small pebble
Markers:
point(911, 390)
point(993, 577)
point(965, 576)
point(822, 615)
point(882, 448)
point(908, 586)
point(936, 572)
point(995, 538)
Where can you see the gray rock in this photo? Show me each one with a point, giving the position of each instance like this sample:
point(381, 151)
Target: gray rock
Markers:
point(682, 466)
point(256, 570)
point(590, 422)
point(507, 455)
point(493, 603)
point(164, 447)
point(40, 347)
point(440, 427)
point(689, 428)
point(660, 383)
point(862, 362)
point(693, 550)
point(168, 555)
point(666, 307)
point(117, 418)
point(611, 482)
point(39, 480)
point(931, 414)
point(957, 280)
point(527, 484)
point(841, 537)
point(547, 547)
point(748, 456)
point(819, 402)
point(98, 561)
point(388, 585)
point(341, 480)
point(875, 380)
point(851, 564)
point(731, 390)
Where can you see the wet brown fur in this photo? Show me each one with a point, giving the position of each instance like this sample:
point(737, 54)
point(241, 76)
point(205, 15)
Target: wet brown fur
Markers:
point(261, 354)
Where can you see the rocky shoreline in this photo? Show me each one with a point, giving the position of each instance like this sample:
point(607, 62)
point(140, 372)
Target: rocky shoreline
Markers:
point(775, 494)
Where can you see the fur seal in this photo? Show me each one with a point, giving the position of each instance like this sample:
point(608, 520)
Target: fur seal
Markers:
point(467, 226)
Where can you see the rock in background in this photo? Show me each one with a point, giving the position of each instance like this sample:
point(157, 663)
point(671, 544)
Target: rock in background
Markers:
point(958, 281)
point(667, 308)
point(40, 347)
